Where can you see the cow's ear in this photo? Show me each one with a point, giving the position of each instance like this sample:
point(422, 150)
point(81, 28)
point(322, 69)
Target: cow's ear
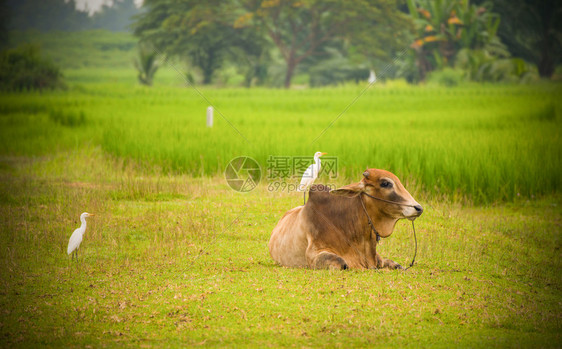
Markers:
point(350, 190)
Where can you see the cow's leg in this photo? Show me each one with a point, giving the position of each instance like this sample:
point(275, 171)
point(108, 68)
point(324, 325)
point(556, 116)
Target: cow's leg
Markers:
point(387, 263)
point(325, 260)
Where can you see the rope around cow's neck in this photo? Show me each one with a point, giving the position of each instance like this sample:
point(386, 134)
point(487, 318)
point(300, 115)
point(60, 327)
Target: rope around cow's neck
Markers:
point(416, 247)
point(378, 237)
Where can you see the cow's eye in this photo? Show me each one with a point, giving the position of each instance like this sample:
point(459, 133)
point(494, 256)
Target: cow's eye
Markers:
point(386, 184)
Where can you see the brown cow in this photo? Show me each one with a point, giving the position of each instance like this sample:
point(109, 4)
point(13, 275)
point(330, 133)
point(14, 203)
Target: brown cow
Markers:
point(332, 229)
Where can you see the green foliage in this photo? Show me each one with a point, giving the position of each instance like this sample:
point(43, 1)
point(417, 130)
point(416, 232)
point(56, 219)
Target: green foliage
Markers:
point(200, 31)
point(336, 70)
point(446, 27)
point(301, 30)
point(23, 69)
point(146, 64)
point(479, 65)
point(267, 41)
point(446, 77)
point(532, 30)
point(209, 33)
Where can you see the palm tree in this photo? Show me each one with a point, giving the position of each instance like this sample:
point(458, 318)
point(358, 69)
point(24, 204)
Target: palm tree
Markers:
point(146, 64)
point(445, 27)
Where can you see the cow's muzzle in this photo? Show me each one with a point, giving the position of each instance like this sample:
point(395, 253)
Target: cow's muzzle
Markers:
point(412, 212)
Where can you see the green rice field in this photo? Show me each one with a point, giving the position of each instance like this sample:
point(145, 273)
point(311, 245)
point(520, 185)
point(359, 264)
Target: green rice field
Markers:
point(481, 143)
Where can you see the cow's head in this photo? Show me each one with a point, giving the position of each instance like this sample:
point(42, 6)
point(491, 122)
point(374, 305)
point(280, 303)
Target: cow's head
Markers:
point(386, 186)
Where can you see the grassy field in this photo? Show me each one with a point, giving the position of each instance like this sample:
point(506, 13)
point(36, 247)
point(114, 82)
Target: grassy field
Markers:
point(173, 260)
point(175, 257)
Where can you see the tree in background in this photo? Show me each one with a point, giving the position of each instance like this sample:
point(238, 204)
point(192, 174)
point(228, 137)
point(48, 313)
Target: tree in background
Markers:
point(200, 31)
point(444, 27)
point(385, 36)
point(304, 29)
point(532, 30)
point(24, 69)
point(146, 64)
point(335, 68)
point(251, 53)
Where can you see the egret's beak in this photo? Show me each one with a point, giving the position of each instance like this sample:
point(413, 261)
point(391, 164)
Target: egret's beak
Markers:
point(324, 153)
point(91, 214)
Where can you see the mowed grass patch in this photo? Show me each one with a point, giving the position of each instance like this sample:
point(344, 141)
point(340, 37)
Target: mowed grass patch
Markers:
point(481, 144)
point(176, 260)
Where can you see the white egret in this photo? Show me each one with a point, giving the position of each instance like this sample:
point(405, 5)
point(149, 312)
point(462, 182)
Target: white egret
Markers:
point(310, 175)
point(76, 237)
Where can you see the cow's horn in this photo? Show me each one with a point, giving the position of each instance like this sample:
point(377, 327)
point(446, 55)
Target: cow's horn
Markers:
point(366, 174)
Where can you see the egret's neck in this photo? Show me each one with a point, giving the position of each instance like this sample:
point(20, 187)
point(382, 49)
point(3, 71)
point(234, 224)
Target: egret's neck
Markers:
point(317, 161)
point(83, 220)
point(316, 166)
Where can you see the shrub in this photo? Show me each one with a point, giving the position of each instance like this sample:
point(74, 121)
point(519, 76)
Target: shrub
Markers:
point(482, 67)
point(23, 68)
point(447, 77)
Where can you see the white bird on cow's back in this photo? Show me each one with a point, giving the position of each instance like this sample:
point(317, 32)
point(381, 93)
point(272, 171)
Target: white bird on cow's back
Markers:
point(310, 175)
point(77, 235)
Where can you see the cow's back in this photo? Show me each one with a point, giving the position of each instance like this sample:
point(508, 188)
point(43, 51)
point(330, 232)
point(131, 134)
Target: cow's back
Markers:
point(288, 242)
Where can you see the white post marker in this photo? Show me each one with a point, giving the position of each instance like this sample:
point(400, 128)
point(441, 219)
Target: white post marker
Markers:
point(372, 77)
point(210, 117)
